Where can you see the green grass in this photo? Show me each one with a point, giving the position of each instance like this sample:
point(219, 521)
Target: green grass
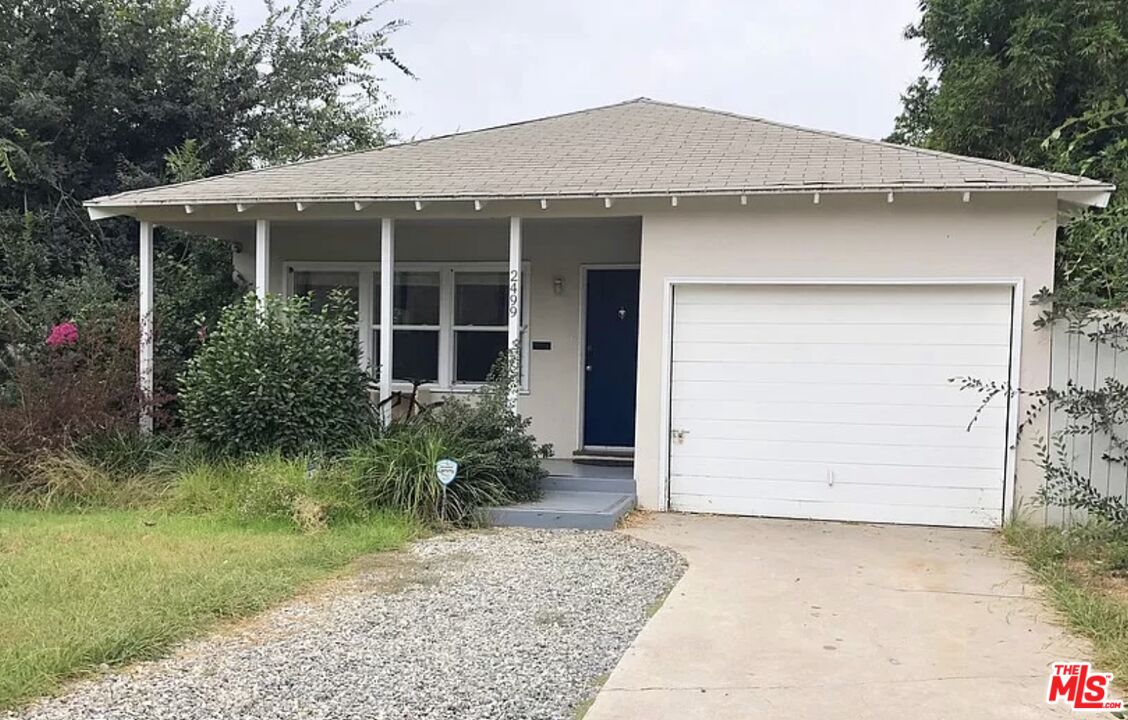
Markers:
point(1085, 573)
point(79, 590)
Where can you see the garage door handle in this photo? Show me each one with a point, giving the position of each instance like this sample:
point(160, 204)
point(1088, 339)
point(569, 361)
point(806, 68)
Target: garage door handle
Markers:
point(679, 435)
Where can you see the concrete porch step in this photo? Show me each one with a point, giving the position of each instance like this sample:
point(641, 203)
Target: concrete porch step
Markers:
point(583, 510)
point(624, 485)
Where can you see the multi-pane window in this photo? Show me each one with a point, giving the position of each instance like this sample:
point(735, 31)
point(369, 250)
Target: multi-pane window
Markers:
point(480, 323)
point(450, 322)
point(319, 283)
point(415, 322)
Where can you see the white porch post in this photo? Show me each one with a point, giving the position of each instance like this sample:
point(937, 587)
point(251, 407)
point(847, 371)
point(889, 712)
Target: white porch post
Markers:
point(387, 278)
point(262, 258)
point(145, 351)
point(514, 327)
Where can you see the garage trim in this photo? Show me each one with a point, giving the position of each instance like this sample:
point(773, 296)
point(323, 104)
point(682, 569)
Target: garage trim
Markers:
point(1017, 310)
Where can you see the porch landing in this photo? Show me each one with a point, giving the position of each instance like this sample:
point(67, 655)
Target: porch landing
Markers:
point(584, 496)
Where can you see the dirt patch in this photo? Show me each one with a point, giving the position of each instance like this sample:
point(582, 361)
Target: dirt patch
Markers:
point(635, 518)
point(385, 573)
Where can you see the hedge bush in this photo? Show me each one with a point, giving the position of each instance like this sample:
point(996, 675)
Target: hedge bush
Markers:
point(278, 376)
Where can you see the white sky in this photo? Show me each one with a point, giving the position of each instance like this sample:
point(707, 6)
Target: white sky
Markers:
point(829, 64)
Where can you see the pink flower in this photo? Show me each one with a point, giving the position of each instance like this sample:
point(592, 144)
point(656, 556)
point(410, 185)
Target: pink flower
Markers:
point(65, 333)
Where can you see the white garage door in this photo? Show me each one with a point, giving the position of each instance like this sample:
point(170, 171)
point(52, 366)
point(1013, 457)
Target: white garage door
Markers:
point(833, 402)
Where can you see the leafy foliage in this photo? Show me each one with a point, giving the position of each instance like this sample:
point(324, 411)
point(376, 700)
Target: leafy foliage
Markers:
point(101, 96)
point(1006, 74)
point(278, 376)
point(492, 425)
point(1040, 83)
point(1092, 262)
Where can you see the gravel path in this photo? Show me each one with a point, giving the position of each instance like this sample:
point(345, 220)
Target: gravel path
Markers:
point(494, 624)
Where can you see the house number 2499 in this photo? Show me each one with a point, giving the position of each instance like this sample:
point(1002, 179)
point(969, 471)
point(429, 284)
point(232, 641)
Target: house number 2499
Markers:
point(514, 292)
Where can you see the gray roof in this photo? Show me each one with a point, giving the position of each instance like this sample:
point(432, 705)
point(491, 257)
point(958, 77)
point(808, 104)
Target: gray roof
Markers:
point(636, 148)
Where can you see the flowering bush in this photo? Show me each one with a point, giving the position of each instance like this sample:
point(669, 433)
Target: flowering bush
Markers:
point(53, 399)
point(63, 334)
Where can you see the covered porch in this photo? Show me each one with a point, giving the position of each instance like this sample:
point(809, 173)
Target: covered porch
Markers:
point(457, 292)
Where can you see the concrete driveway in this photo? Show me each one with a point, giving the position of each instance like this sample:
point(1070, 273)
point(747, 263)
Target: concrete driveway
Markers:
point(782, 619)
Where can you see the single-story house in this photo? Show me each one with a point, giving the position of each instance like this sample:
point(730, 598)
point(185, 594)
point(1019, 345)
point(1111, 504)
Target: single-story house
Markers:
point(765, 316)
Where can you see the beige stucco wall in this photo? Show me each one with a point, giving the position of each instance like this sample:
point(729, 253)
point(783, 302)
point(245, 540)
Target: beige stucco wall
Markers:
point(997, 236)
point(552, 248)
point(919, 236)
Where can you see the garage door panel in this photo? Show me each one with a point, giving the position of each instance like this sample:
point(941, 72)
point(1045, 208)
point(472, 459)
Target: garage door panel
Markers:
point(916, 355)
point(832, 453)
point(842, 295)
point(906, 414)
point(847, 512)
point(900, 494)
point(808, 471)
point(835, 402)
point(956, 436)
point(865, 373)
point(788, 314)
point(870, 334)
point(920, 395)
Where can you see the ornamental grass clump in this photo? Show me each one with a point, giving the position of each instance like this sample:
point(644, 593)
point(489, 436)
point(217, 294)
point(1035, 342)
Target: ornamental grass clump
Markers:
point(397, 472)
point(278, 375)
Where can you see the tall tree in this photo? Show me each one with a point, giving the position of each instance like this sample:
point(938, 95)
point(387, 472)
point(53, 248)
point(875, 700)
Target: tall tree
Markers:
point(1040, 83)
point(1006, 73)
point(100, 96)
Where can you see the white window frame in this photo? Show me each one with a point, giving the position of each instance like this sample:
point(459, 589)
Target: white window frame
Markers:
point(367, 273)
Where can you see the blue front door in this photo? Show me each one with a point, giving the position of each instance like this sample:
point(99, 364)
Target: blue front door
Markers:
point(610, 358)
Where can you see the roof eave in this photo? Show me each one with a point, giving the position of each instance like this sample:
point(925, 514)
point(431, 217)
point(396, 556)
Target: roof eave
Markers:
point(1097, 196)
point(1094, 195)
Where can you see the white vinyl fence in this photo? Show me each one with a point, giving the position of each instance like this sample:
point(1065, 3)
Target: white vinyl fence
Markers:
point(1087, 364)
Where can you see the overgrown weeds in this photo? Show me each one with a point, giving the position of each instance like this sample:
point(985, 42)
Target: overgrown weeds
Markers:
point(1085, 572)
point(308, 492)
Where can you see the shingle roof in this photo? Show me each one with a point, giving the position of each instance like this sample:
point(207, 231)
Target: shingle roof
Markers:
point(637, 148)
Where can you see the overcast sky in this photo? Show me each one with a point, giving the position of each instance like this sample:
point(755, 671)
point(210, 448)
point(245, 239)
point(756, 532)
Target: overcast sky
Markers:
point(830, 64)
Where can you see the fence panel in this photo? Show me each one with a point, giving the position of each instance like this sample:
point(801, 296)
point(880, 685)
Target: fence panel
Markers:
point(1087, 364)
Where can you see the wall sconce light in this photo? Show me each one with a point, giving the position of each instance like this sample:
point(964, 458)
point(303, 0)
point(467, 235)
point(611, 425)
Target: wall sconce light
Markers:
point(557, 285)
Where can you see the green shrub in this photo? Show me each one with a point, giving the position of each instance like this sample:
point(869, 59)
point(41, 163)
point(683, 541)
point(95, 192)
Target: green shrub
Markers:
point(499, 435)
point(397, 472)
point(278, 376)
point(304, 491)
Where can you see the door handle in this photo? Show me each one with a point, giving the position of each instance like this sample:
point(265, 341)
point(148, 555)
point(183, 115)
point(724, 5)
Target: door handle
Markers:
point(587, 368)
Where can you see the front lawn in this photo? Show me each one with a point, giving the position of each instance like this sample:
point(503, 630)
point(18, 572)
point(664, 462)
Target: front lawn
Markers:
point(1085, 572)
point(80, 590)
